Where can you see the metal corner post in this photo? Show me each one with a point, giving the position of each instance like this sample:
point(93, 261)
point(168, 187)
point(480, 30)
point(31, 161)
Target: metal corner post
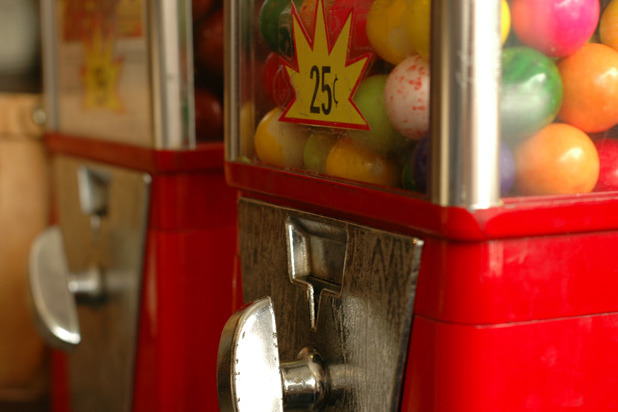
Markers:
point(465, 97)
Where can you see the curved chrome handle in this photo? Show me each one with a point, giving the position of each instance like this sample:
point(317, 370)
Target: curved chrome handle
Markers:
point(54, 305)
point(250, 376)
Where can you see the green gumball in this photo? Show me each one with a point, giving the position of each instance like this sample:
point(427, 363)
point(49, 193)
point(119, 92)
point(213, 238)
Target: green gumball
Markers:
point(275, 25)
point(531, 92)
point(316, 151)
point(382, 137)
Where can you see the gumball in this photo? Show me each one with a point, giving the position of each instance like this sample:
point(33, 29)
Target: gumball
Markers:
point(420, 164)
point(505, 20)
point(383, 137)
point(280, 143)
point(417, 19)
point(276, 81)
point(608, 159)
point(608, 25)
point(406, 96)
point(507, 169)
point(200, 8)
point(590, 81)
point(209, 38)
point(560, 159)
point(555, 27)
point(208, 115)
point(531, 92)
point(385, 30)
point(316, 151)
point(275, 25)
point(337, 12)
point(407, 178)
point(246, 128)
point(349, 160)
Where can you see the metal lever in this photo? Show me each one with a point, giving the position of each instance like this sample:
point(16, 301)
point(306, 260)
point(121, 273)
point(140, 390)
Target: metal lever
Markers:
point(54, 288)
point(250, 376)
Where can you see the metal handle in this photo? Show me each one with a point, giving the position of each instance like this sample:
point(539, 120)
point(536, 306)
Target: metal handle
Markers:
point(54, 305)
point(54, 288)
point(250, 376)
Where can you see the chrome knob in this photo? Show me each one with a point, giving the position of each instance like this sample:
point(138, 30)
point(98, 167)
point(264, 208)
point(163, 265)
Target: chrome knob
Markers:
point(54, 288)
point(250, 376)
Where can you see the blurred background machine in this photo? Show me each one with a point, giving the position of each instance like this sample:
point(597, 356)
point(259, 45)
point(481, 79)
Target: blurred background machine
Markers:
point(134, 280)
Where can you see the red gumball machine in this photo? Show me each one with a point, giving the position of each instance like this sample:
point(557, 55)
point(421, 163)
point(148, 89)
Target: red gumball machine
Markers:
point(137, 273)
point(427, 206)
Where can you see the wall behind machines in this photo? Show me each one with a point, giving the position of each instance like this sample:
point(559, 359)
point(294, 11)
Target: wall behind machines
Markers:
point(24, 207)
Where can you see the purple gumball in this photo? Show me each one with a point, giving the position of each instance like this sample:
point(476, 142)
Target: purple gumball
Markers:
point(420, 164)
point(507, 169)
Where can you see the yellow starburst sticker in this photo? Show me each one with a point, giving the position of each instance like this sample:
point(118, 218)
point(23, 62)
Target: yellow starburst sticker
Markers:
point(100, 73)
point(324, 80)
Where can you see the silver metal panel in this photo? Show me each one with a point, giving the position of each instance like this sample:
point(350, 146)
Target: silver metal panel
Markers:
point(101, 367)
point(362, 331)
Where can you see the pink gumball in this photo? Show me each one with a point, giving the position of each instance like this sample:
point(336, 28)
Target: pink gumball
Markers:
point(406, 97)
point(555, 27)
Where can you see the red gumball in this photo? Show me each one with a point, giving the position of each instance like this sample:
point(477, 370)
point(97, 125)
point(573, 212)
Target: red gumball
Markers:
point(208, 116)
point(337, 13)
point(276, 81)
point(209, 38)
point(608, 162)
point(200, 8)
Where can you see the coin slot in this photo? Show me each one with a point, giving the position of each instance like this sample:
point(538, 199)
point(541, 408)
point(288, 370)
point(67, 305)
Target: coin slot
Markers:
point(316, 259)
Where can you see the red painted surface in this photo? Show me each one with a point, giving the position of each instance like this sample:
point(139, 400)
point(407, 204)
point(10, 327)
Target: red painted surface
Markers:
point(407, 212)
point(518, 280)
point(188, 286)
point(542, 366)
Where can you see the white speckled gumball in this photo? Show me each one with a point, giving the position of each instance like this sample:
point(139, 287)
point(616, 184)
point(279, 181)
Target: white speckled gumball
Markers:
point(406, 97)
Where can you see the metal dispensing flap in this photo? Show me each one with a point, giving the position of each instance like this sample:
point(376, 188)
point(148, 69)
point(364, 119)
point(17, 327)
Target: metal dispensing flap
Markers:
point(55, 309)
point(338, 289)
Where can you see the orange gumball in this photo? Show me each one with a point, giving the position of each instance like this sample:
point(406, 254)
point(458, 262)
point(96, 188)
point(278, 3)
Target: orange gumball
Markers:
point(349, 160)
point(560, 159)
point(590, 88)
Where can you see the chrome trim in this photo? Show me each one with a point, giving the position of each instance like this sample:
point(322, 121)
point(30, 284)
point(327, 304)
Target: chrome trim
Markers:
point(465, 98)
point(50, 65)
point(231, 101)
point(171, 48)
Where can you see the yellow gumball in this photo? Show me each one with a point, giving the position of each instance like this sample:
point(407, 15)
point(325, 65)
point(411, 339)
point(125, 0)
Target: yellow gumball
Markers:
point(417, 19)
point(608, 25)
point(279, 143)
point(505, 20)
point(386, 32)
point(348, 160)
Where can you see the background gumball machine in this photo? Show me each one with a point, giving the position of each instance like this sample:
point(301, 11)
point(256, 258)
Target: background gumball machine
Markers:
point(136, 274)
point(427, 205)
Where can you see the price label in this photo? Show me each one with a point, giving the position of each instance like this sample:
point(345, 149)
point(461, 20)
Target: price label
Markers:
point(324, 80)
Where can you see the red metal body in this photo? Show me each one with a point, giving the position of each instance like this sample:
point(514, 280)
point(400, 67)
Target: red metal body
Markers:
point(187, 283)
point(516, 305)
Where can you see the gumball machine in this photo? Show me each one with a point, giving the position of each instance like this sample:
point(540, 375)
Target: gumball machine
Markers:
point(136, 274)
point(426, 214)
